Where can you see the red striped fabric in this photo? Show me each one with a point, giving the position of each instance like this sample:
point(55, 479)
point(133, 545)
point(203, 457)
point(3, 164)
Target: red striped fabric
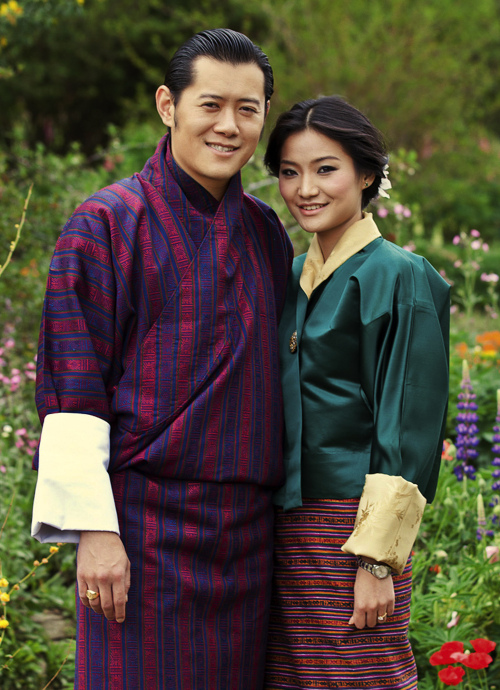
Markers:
point(311, 644)
point(161, 318)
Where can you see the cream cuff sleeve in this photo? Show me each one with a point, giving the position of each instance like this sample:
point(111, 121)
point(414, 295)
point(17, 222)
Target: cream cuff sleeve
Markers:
point(73, 491)
point(389, 515)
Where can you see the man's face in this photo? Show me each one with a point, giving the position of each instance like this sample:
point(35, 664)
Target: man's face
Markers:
point(216, 124)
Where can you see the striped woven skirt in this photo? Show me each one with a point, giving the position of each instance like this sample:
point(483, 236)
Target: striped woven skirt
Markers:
point(198, 606)
point(310, 643)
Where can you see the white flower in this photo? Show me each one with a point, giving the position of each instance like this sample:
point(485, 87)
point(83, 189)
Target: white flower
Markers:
point(385, 183)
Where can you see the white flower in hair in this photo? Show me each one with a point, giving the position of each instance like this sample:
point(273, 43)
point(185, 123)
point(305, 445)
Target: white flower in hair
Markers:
point(385, 183)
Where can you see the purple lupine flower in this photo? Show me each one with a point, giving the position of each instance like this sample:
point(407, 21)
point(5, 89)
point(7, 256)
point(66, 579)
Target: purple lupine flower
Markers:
point(467, 430)
point(495, 449)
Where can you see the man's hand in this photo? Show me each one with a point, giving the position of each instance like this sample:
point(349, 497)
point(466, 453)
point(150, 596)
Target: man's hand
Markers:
point(372, 598)
point(103, 566)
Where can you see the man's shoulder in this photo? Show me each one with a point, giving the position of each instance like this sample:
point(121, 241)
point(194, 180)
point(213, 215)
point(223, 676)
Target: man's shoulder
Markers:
point(114, 196)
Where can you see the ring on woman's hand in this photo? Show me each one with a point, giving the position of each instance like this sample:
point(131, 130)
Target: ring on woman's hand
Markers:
point(90, 594)
point(382, 618)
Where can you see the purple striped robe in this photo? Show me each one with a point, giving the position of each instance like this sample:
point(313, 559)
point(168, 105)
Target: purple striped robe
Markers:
point(161, 318)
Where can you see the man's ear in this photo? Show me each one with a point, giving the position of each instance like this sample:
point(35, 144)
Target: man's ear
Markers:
point(268, 105)
point(165, 105)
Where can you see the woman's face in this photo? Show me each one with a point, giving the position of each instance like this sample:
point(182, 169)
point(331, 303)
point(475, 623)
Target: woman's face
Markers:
point(320, 186)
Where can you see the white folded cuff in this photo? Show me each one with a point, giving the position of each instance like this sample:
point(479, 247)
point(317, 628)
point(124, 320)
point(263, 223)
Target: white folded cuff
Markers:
point(73, 492)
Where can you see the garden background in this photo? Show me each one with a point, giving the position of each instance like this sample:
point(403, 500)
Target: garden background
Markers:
point(77, 79)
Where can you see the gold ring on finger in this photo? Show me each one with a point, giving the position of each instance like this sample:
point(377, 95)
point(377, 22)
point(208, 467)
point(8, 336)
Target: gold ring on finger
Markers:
point(382, 618)
point(90, 594)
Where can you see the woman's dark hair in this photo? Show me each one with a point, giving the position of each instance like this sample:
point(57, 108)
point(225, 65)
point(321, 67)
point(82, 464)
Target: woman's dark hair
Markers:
point(336, 119)
point(225, 45)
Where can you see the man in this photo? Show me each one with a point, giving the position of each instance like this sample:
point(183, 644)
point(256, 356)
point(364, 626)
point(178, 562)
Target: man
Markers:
point(158, 388)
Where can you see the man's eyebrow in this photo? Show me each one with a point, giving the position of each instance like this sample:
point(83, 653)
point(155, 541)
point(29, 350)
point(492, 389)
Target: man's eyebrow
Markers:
point(215, 97)
point(316, 160)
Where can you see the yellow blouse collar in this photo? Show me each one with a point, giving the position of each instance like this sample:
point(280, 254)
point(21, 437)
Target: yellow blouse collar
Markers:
point(316, 270)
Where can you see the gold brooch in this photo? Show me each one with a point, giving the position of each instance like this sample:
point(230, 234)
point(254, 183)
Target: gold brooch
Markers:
point(293, 342)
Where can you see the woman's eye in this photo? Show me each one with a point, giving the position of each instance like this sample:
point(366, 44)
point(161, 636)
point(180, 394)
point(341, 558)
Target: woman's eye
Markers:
point(327, 169)
point(287, 172)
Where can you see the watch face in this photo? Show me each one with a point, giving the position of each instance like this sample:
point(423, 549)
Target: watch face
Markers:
point(381, 571)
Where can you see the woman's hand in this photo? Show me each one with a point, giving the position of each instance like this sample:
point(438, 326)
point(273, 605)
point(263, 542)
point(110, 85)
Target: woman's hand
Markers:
point(372, 598)
point(103, 566)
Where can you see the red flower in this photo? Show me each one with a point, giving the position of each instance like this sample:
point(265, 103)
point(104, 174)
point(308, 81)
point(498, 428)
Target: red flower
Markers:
point(451, 675)
point(482, 645)
point(444, 656)
point(477, 660)
point(435, 568)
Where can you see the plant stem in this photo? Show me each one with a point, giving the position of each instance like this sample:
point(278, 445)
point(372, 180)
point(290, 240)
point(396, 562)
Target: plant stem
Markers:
point(15, 242)
point(8, 512)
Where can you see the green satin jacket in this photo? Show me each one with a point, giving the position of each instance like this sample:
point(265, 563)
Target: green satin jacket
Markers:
point(366, 388)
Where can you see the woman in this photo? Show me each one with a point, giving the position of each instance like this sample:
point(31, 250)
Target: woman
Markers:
point(364, 357)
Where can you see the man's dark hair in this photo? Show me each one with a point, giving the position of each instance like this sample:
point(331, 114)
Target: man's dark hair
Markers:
point(225, 45)
point(336, 119)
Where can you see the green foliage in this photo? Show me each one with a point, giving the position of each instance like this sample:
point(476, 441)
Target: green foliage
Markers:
point(78, 67)
point(452, 573)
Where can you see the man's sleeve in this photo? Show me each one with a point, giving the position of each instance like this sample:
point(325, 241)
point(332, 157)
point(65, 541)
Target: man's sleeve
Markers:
point(75, 369)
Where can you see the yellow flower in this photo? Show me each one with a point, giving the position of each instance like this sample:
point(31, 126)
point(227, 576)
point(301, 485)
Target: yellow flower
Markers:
point(16, 587)
point(3, 41)
point(80, 2)
point(4, 623)
point(54, 549)
point(36, 563)
point(4, 582)
point(14, 7)
point(4, 597)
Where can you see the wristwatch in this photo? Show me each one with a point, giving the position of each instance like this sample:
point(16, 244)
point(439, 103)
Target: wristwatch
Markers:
point(378, 570)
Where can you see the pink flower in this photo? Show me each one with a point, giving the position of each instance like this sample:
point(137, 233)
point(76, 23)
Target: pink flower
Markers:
point(475, 233)
point(410, 247)
point(398, 209)
point(486, 247)
point(19, 443)
point(30, 365)
point(406, 212)
point(475, 265)
point(32, 443)
point(382, 212)
point(493, 556)
point(10, 343)
point(457, 263)
point(456, 239)
point(454, 620)
point(475, 244)
point(30, 451)
point(20, 432)
point(3, 469)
